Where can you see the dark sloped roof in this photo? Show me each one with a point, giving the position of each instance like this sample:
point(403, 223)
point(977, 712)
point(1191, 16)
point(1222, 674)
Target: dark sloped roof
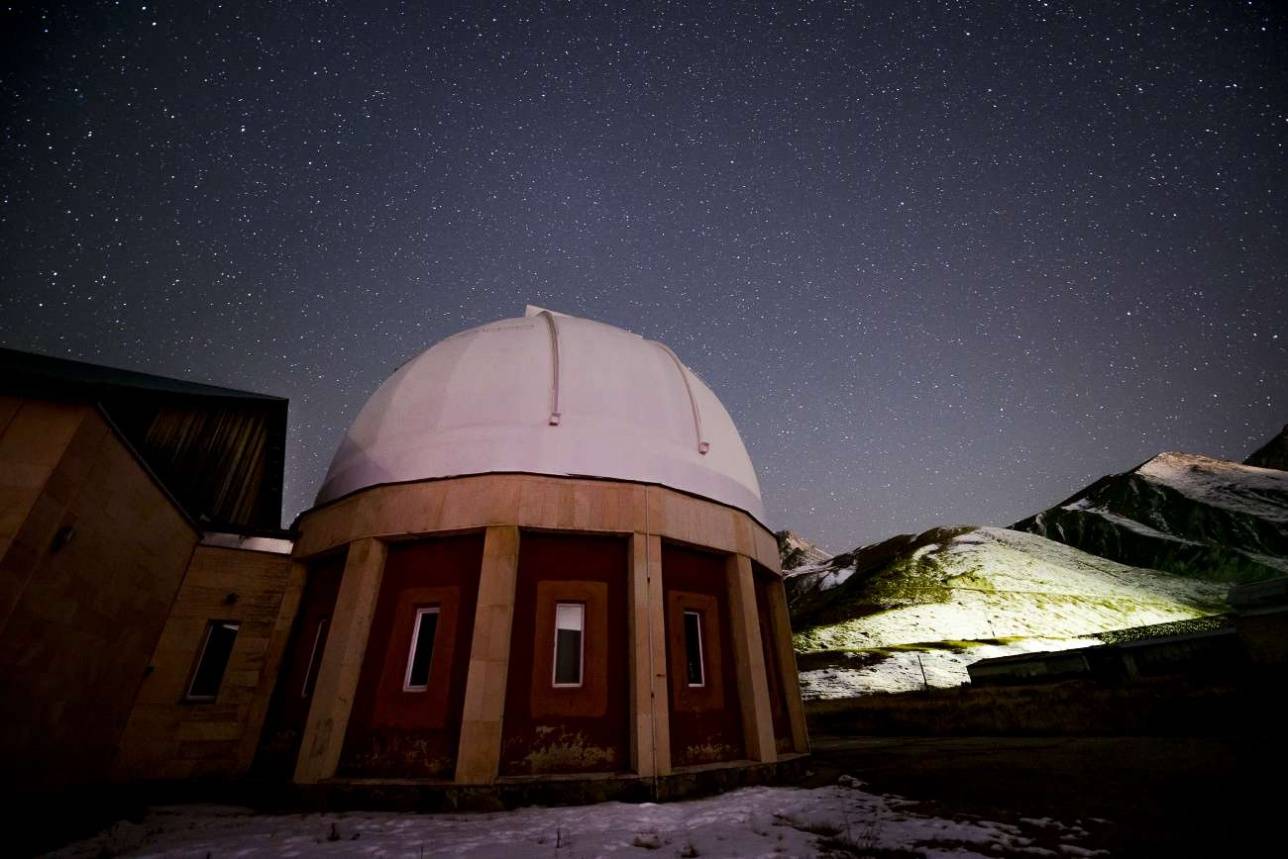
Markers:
point(18, 369)
point(220, 452)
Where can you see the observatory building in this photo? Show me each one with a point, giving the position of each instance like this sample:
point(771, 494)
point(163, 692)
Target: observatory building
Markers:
point(539, 551)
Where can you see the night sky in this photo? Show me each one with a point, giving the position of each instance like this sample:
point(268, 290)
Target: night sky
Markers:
point(943, 263)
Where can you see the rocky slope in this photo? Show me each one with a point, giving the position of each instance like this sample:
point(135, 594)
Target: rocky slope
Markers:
point(1187, 514)
point(968, 583)
point(915, 610)
point(1160, 543)
point(795, 551)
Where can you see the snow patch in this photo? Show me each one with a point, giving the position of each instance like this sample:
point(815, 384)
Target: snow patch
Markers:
point(842, 819)
point(835, 578)
point(1245, 489)
point(1085, 505)
point(926, 550)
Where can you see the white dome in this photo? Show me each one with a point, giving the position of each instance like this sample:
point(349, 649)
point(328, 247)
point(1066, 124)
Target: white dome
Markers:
point(547, 394)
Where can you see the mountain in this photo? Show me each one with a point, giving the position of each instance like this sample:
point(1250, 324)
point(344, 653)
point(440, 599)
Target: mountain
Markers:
point(914, 610)
point(1273, 454)
point(980, 583)
point(795, 551)
point(1183, 513)
point(1160, 543)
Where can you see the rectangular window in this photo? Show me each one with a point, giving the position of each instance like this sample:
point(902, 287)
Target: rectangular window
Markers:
point(693, 648)
point(216, 648)
point(315, 658)
point(422, 650)
point(570, 618)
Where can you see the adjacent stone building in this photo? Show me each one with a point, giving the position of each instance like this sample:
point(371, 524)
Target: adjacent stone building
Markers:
point(137, 515)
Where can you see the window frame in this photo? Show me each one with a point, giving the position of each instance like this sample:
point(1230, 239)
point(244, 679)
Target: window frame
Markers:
point(188, 695)
point(702, 654)
point(411, 650)
point(581, 647)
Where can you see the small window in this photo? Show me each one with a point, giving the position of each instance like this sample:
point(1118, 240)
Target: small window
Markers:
point(570, 621)
point(216, 648)
point(315, 658)
point(422, 650)
point(693, 648)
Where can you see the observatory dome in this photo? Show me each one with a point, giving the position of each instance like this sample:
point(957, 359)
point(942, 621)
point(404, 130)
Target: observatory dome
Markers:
point(547, 394)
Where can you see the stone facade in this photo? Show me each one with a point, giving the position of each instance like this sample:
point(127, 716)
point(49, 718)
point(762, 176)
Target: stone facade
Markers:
point(635, 556)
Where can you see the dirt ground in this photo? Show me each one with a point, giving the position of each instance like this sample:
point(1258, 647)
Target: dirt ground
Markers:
point(1137, 796)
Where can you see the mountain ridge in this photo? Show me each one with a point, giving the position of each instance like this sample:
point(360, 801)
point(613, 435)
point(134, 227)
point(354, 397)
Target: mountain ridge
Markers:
point(1158, 543)
point(1184, 513)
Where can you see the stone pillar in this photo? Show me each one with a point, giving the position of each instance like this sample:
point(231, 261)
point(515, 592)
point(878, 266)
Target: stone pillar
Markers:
point(273, 656)
point(749, 657)
point(782, 633)
point(346, 646)
point(650, 721)
point(478, 756)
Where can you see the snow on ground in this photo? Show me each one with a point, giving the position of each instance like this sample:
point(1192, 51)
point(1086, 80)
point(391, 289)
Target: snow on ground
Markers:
point(842, 819)
point(914, 670)
point(1261, 492)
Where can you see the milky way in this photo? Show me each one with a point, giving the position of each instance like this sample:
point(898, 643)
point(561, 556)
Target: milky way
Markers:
point(942, 262)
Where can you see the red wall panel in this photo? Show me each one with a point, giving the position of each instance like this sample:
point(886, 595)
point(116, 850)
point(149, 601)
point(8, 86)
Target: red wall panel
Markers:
point(400, 734)
point(706, 721)
point(550, 729)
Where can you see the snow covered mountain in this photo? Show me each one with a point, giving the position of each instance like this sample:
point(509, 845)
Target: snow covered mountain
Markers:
point(1187, 514)
point(796, 551)
point(980, 583)
point(915, 610)
point(1160, 543)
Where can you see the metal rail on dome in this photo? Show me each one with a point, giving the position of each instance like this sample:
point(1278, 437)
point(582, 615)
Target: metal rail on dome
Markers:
point(703, 444)
point(554, 355)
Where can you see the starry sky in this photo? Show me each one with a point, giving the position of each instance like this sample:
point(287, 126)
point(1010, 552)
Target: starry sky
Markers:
point(943, 262)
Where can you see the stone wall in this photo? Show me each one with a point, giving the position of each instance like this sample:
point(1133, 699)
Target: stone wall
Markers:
point(94, 552)
point(171, 738)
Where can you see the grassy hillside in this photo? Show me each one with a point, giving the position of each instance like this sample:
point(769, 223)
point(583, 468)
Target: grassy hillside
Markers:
point(915, 610)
